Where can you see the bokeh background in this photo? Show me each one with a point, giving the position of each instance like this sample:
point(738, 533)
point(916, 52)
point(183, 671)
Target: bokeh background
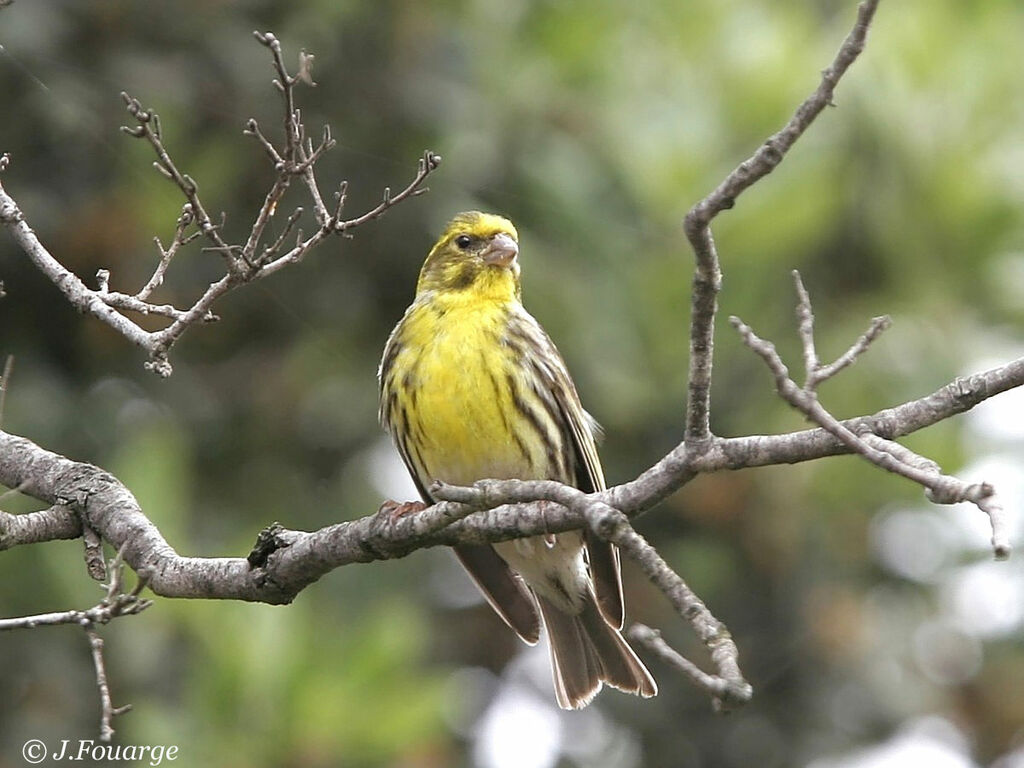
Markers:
point(875, 627)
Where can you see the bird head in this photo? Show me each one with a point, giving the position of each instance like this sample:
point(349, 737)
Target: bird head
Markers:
point(477, 252)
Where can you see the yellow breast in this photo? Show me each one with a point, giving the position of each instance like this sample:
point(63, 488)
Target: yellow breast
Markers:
point(457, 395)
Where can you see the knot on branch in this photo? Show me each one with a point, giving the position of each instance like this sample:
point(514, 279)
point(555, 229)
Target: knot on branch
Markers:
point(10, 213)
point(733, 695)
point(604, 520)
point(159, 364)
point(268, 541)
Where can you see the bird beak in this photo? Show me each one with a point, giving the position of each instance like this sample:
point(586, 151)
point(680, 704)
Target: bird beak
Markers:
point(501, 251)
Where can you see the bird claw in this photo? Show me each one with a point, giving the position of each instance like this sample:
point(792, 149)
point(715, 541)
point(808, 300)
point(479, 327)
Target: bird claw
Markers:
point(399, 509)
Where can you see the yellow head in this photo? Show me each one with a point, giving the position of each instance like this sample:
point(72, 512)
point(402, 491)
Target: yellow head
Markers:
point(478, 252)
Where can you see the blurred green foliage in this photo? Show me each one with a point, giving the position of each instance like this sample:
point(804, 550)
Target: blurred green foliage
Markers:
point(594, 126)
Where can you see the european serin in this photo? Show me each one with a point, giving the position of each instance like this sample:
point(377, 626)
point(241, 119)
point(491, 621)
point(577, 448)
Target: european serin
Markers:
point(471, 387)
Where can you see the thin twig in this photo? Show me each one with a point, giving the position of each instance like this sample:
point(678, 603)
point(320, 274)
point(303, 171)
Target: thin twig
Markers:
point(5, 382)
point(805, 326)
point(427, 165)
point(725, 695)
point(952, 490)
point(335, 225)
point(184, 221)
point(114, 603)
point(252, 128)
point(707, 279)
point(272, 250)
point(816, 372)
point(148, 128)
point(943, 489)
point(107, 709)
point(245, 263)
point(267, 210)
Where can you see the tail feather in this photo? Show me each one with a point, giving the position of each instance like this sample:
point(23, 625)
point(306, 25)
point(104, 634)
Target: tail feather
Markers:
point(586, 651)
point(603, 558)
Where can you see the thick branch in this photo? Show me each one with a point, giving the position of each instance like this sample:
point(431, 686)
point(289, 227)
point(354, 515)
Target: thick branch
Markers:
point(57, 522)
point(300, 558)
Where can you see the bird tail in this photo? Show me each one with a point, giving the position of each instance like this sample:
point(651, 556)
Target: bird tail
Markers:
point(586, 651)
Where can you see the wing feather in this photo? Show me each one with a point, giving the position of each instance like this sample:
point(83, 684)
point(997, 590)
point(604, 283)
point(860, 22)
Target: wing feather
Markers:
point(583, 432)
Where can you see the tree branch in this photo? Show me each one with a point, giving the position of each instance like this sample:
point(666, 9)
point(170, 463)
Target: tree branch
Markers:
point(88, 500)
point(244, 262)
point(115, 603)
point(728, 688)
point(707, 279)
point(940, 488)
point(298, 558)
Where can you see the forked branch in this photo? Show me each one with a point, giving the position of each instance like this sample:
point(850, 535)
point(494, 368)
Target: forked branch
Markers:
point(244, 262)
point(116, 602)
point(940, 488)
point(707, 279)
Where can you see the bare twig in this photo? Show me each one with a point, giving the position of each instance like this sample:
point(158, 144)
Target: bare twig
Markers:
point(184, 221)
point(428, 163)
point(115, 603)
point(5, 382)
point(816, 372)
point(945, 489)
point(252, 128)
point(940, 488)
point(107, 709)
point(707, 279)
point(148, 128)
point(725, 694)
point(274, 248)
point(335, 224)
point(245, 262)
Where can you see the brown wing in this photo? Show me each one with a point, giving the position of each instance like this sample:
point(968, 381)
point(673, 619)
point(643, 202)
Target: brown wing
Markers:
point(603, 556)
point(504, 590)
point(583, 432)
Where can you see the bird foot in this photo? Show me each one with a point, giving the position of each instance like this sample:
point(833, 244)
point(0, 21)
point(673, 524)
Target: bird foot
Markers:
point(399, 509)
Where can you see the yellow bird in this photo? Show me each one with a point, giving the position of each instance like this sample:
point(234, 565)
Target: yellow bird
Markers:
point(471, 387)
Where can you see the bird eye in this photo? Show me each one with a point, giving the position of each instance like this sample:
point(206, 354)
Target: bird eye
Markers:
point(463, 241)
